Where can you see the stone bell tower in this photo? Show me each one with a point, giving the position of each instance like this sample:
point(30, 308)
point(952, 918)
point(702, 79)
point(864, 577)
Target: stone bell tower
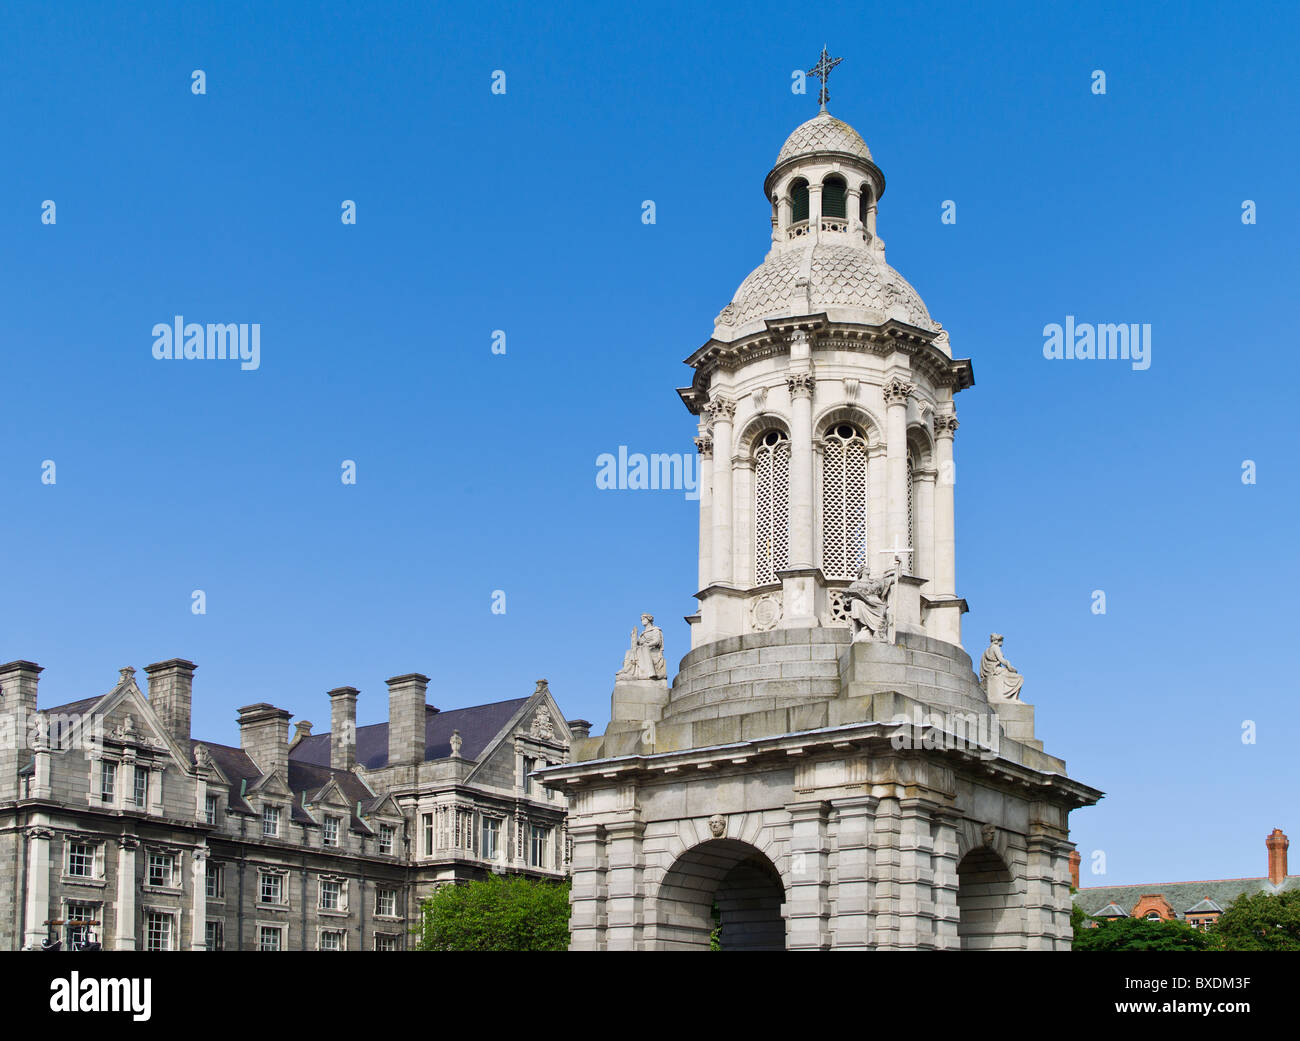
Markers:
point(826, 769)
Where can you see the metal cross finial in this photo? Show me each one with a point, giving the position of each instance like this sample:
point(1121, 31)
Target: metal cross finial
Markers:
point(822, 70)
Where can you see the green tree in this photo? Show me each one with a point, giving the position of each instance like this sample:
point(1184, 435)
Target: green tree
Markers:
point(1137, 934)
point(500, 913)
point(1263, 922)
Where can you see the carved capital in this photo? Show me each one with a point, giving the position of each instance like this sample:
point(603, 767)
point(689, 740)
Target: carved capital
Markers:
point(128, 842)
point(897, 390)
point(721, 409)
point(200, 855)
point(800, 384)
point(38, 832)
point(704, 445)
point(945, 424)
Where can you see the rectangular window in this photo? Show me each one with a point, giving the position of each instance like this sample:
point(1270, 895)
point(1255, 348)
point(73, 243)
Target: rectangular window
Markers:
point(385, 942)
point(214, 935)
point(537, 846)
point(215, 881)
point(210, 809)
point(157, 931)
point(141, 793)
point(268, 938)
point(271, 888)
point(161, 866)
point(530, 764)
point(386, 833)
point(386, 902)
point(81, 860)
point(331, 940)
point(107, 780)
point(330, 831)
point(491, 837)
point(80, 922)
point(427, 820)
point(270, 821)
point(331, 898)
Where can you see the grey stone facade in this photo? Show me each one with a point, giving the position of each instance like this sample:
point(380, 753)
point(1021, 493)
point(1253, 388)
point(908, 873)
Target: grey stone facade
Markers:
point(110, 811)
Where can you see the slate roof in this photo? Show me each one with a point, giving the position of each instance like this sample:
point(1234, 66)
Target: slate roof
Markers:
point(1181, 896)
point(74, 708)
point(1205, 905)
point(478, 724)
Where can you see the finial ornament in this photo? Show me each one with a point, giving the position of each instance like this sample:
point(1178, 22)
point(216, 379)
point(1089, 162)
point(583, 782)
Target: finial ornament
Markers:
point(822, 70)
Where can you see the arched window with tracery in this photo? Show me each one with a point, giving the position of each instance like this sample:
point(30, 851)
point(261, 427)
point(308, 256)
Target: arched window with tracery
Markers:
point(771, 506)
point(844, 501)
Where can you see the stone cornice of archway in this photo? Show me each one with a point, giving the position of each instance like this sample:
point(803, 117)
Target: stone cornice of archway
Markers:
point(872, 740)
point(893, 336)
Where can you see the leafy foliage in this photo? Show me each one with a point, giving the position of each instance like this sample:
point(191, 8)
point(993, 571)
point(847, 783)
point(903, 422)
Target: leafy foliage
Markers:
point(500, 913)
point(1263, 922)
point(1137, 934)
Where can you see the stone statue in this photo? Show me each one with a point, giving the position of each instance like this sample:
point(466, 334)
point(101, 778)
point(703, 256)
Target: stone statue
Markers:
point(997, 676)
point(870, 609)
point(456, 742)
point(645, 658)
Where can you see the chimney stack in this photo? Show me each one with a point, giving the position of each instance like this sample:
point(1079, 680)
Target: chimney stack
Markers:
point(580, 728)
point(264, 735)
point(171, 695)
point(1277, 844)
point(343, 727)
point(406, 719)
point(17, 707)
point(301, 729)
point(1075, 860)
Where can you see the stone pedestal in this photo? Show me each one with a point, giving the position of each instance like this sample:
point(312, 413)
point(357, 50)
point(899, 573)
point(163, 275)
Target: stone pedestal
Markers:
point(1017, 720)
point(637, 701)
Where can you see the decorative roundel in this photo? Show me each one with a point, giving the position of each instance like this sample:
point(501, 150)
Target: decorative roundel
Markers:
point(765, 612)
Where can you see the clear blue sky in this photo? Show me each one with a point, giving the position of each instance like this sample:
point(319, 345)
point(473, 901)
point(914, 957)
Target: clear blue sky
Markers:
point(522, 212)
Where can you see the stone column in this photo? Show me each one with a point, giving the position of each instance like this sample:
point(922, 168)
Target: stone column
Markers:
point(876, 465)
point(944, 886)
point(704, 468)
point(807, 906)
point(624, 905)
point(723, 411)
point(896, 394)
point(126, 886)
point(852, 208)
point(37, 905)
point(916, 908)
point(784, 208)
point(871, 214)
point(800, 385)
point(199, 901)
point(853, 817)
point(1047, 895)
point(815, 211)
point(944, 579)
point(742, 518)
point(923, 510)
point(587, 920)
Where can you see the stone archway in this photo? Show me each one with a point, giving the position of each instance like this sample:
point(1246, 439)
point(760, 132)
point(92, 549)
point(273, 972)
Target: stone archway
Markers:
point(990, 910)
point(740, 881)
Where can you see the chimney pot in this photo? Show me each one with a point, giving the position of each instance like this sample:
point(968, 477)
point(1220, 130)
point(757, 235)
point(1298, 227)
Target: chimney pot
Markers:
point(1075, 860)
point(580, 727)
point(1277, 844)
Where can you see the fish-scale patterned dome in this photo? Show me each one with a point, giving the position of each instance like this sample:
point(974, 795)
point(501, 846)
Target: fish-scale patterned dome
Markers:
point(817, 277)
point(823, 133)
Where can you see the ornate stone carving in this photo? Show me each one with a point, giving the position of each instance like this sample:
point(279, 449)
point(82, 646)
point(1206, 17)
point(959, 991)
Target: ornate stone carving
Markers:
point(457, 741)
point(126, 674)
point(945, 424)
point(202, 757)
point(851, 389)
point(759, 398)
point(897, 390)
point(645, 658)
point(765, 612)
point(128, 842)
point(800, 384)
point(721, 409)
point(870, 600)
point(704, 444)
point(989, 834)
point(997, 676)
point(38, 832)
point(717, 825)
point(543, 728)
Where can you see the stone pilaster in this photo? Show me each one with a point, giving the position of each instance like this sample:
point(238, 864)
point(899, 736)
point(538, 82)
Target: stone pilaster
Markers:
point(624, 905)
point(807, 908)
point(723, 412)
point(704, 468)
point(851, 929)
point(944, 885)
point(199, 900)
point(588, 892)
point(126, 887)
point(896, 393)
point(916, 876)
point(1047, 895)
point(800, 385)
point(37, 903)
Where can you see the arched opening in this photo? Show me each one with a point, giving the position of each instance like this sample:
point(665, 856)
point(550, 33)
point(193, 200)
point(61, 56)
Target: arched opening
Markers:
point(835, 195)
point(799, 200)
point(722, 891)
point(864, 204)
point(987, 903)
point(844, 501)
point(771, 506)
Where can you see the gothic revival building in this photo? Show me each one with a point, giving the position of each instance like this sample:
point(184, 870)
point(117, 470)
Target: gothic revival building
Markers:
point(111, 813)
point(776, 779)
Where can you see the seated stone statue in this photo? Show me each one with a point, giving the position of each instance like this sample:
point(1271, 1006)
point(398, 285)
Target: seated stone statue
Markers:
point(869, 607)
point(999, 679)
point(645, 658)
